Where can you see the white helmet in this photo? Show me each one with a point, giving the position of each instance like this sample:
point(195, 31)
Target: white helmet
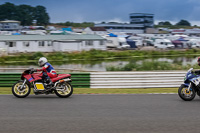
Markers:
point(42, 61)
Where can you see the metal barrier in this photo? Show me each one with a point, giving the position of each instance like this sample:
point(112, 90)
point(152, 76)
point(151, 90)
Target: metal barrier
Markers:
point(80, 80)
point(142, 79)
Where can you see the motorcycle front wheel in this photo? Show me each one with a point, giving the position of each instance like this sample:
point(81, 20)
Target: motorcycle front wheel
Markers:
point(64, 90)
point(19, 91)
point(185, 94)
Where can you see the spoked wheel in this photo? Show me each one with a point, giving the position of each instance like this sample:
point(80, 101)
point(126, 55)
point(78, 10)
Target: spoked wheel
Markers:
point(19, 91)
point(64, 90)
point(185, 94)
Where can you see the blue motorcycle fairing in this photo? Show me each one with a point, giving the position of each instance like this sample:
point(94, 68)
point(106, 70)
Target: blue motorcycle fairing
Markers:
point(190, 77)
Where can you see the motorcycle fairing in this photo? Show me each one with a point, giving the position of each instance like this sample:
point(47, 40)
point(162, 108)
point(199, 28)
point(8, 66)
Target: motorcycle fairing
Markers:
point(32, 78)
point(190, 77)
point(60, 76)
point(195, 80)
point(29, 78)
point(37, 76)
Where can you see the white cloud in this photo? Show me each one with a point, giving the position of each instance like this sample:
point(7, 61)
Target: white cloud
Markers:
point(195, 23)
point(116, 20)
point(113, 20)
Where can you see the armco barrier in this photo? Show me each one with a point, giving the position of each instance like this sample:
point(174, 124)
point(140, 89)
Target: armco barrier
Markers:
point(80, 80)
point(142, 79)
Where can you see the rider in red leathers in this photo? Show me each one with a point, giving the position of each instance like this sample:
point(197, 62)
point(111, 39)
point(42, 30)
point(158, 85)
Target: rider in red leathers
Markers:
point(48, 70)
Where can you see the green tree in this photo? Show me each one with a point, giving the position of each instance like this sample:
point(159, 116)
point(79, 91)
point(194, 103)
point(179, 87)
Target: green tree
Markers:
point(68, 23)
point(41, 16)
point(25, 14)
point(8, 11)
point(84, 24)
point(183, 23)
point(165, 23)
point(87, 24)
point(160, 23)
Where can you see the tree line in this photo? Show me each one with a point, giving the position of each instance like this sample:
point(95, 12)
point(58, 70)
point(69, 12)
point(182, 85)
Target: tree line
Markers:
point(38, 15)
point(26, 14)
point(72, 24)
point(181, 24)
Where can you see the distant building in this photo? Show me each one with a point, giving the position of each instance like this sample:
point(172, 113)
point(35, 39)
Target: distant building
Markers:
point(145, 19)
point(193, 32)
point(9, 25)
point(51, 43)
point(139, 22)
point(33, 28)
point(118, 27)
point(152, 31)
point(178, 31)
point(190, 32)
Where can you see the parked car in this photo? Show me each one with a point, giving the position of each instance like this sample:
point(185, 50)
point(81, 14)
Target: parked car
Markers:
point(195, 43)
point(163, 44)
point(117, 42)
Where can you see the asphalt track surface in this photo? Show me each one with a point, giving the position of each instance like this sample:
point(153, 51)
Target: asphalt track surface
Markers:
point(123, 113)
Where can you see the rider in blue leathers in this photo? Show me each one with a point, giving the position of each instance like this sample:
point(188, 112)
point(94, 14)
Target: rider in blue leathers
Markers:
point(48, 70)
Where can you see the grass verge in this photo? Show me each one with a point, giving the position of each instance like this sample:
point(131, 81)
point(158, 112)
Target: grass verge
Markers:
point(7, 90)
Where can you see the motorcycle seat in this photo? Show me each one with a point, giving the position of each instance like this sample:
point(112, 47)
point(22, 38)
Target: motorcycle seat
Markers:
point(60, 76)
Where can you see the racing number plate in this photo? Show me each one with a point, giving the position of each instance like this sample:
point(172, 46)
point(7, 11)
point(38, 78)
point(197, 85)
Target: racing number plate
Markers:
point(39, 86)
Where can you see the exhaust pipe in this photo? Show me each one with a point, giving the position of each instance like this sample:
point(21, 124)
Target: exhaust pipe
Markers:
point(62, 80)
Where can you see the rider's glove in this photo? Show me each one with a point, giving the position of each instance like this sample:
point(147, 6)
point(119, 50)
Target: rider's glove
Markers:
point(196, 72)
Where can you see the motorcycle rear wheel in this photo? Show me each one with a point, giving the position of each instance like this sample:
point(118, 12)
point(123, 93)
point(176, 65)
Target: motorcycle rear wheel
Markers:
point(21, 93)
point(64, 90)
point(184, 94)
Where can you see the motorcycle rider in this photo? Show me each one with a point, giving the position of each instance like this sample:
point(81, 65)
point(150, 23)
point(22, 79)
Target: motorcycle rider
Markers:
point(48, 70)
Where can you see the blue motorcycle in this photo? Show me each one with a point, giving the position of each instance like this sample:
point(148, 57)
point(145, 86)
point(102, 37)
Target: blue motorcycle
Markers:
point(191, 86)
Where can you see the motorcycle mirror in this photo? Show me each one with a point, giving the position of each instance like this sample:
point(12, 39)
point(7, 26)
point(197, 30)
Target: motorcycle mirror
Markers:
point(190, 69)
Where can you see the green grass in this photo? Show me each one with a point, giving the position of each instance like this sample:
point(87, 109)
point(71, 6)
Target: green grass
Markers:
point(124, 91)
point(151, 66)
point(7, 90)
point(93, 55)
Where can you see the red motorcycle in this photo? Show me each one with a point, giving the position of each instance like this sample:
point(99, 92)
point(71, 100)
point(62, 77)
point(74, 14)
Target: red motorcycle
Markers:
point(61, 85)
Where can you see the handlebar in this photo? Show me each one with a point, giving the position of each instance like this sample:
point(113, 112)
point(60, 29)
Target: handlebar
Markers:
point(30, 71)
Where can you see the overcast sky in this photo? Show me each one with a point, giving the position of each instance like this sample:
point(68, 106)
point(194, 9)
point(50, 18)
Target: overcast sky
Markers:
point(116, 10)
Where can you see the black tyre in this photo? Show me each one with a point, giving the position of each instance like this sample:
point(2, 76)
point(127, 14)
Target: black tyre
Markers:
point(21, 93)
point(185, 94)
point(64, 90)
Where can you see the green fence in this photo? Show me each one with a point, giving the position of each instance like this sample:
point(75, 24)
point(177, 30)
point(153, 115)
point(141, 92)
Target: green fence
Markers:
point(79, 80)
